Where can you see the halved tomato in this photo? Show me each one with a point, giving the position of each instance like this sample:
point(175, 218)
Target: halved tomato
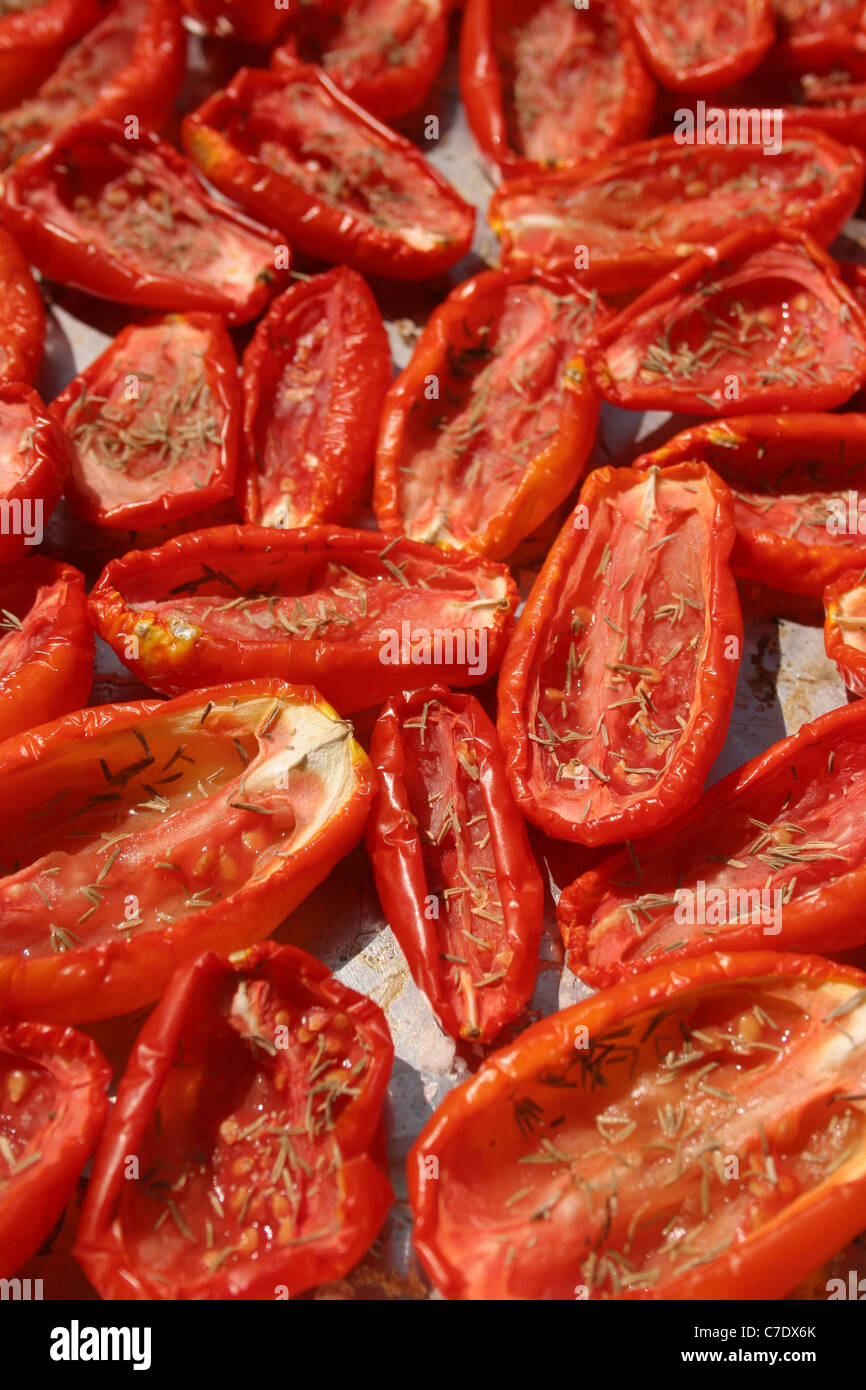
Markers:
point(259, 1184)
point(698, 1133)
point(152, 425)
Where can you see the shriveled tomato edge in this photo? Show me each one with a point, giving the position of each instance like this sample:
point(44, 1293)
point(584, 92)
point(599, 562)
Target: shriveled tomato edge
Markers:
point(553, 471)
point(100, 1247)
point(769, 1263)
point(313, 226)
point(58, 673)
point(669, 396)
point(785, 562)
point(71, 262)
point(39, 1195)
point(715, 680)
point(353, 677)
point(220, 366)
point(823, 219)
point(481, 91)
point(377, 357)
point(708, 76)
point(395, 853)
point(832, 921)
point(115, 977)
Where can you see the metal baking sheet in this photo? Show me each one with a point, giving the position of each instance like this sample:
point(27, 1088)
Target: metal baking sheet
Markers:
point(785, 679)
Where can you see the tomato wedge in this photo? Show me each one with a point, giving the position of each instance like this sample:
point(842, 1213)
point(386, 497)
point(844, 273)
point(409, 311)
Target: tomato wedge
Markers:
point(453, 868)
point(261, 1186)
point(550, 83)
point(384, 54)
point(295, 151)
point(33, 35)
point(127, 220)
point(33, 465)
point(773, 855)
point(698, 48)
point(22, 316)
point(137, 835)
point(792, 478)
point(152, 425)
point(361, 616)
point(46, 650)
point(845, 627)
point(639, 212)
point(53, 1105)
point(132, 62)
point(761, 321)
point(618, 684)
point(706, 1141)
point(314, 379)
point(479, 459)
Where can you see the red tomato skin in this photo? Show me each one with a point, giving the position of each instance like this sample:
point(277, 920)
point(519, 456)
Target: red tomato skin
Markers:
point(819, 41)
point(714, 689)
point(22, 316)
point(167, 506)
point(831, 919)
point(350, 673)
point(398, 867)
point(118, 976)
point(732, 250)
point(399, 88)
point(358, 388)
point(785, 562)
point(850, 661)
point(33, 41)
point(43, 477)
point(767, 1265)
point(250, 21)
point(311, 225)
point(75, 261)
point(715, 72)
point(613, 272)
point(34, 1201)
point(133, 64)
point(367, 1194)
point(57, 675)
point(553, 472)
point(481, 89)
